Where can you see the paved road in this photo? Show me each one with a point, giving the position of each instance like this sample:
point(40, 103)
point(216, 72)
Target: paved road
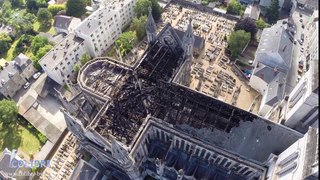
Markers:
point(293, 72)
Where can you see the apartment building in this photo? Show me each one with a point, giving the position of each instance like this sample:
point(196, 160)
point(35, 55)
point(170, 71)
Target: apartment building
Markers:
point(104, 26)
point(60, 60)
point(94, 36)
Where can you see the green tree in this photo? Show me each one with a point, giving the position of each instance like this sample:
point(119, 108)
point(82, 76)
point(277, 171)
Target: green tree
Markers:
point(138, 25)
point(234, 7)
point(23, 44)
point(34, 5)
point(126, 42)
point(84, 59)
point(76, 68)
point(247, 24)
point(5, 42)
point(261, 24)
point(8, 111)
point(237, 42)
point(37, 43)
point(273, 11)
point(17, 3)
point(156, 10)
point(44, 17)
point(55, 8)
point(42, 51)
point(142, 7)
point(76, 8)
point(6, 10)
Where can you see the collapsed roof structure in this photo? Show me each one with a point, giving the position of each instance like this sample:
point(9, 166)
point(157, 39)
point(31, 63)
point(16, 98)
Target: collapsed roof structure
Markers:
point(150, 124)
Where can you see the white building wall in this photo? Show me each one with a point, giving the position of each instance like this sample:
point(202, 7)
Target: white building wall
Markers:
point(258, 84)
point(65, 66)
point(264, 108)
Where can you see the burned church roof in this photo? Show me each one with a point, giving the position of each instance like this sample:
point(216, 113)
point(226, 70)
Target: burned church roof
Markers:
point(147, 89)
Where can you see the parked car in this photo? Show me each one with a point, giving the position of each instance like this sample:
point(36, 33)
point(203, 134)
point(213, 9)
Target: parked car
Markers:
point(300, 42)
point(26, 85)
point(300, 20)
point(36, 75)
point(302, 26)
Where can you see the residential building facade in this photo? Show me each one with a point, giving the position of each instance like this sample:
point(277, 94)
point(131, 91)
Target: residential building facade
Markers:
point(94, 36)
point(60, 60)
point(104, 26)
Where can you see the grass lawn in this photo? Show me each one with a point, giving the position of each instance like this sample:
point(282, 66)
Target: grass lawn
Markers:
point(38, 28)
point(17, 136)
point(9, 55)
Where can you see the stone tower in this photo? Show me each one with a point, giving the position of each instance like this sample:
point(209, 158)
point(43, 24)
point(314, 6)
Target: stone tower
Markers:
point(187, 41)
point(151, 28)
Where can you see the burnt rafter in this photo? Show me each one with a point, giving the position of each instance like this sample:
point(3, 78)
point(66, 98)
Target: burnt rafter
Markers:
point(147, 89)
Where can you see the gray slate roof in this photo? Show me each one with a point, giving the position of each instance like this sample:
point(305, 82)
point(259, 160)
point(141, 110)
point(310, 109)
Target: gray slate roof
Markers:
point(151, 25)
point(84, 171)
point(61, 21)
point(275, 90)
point(5, 170)
point(275, 47)
point(197, 39)
point(22, 60)
point(10, 68)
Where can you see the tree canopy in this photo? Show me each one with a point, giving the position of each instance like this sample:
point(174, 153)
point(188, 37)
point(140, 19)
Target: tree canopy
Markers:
point(44, 17)
point(40, 53)
point(237, 42)
point(85, 58)
point(37, 43)
point(156, 10)
point(55, 8)
point(34, 5)
point(234, 7)
point(126, 42)
point(261, 24)
point(138, 25)
point(142, 8)
point(8, 111)
point(23, 44)
point(247, 24)
point(17, 3)
point(76, 8)
point(273, 11)
point(5, 42)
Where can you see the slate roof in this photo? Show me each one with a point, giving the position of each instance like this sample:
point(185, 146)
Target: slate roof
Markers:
point(5, 170)
point(275, 90)
point(151, 25)
point(84, 171)
point(9, 69)
point(61, 21)
point(275, 47)
point(22, 60)
point(198, 41)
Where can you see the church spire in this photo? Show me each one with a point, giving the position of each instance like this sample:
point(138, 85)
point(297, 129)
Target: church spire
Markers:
point(151, 27)
point(188, 40)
